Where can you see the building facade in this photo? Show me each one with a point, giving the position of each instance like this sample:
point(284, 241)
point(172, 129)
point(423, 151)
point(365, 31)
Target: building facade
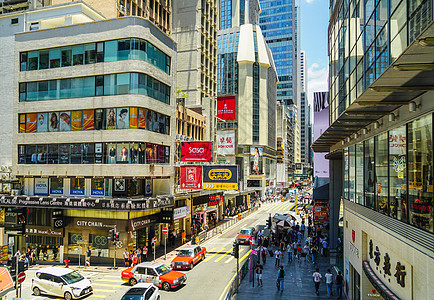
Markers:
point(195, 26)
point(94, 119)
point(379, 143)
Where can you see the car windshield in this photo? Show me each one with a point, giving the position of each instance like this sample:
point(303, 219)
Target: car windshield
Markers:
point(185, 253)
point(72, 277)
point(245, 231)
point(161, 270)
point(132, 297)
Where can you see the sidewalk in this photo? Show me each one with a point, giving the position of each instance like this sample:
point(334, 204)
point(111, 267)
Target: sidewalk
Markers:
point(298, 283)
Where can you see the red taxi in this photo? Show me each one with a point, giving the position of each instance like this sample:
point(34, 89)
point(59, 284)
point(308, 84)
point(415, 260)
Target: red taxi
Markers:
point(245, 236)
point(188, 256)
point(156, 273)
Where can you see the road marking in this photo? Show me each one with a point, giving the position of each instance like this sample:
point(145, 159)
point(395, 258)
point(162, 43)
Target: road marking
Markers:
point(97, 296)
point(207, 259)
point(208, 251)
point(104, 290)
point(230, 258)
point(245, 256)
point(102, 284)
point(110, 280)
point(218, 259)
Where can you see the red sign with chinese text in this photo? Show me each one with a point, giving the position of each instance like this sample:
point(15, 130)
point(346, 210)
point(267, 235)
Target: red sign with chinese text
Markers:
point(226, 108)
point(191, 177)
point(196, 151)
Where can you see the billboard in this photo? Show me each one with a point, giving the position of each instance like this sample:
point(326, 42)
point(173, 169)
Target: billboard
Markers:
point(196, 151)
point(226, 108)
point(226, 142)
point(256, 160)
point(191, 177)
point(220, 177)
point(321, 123)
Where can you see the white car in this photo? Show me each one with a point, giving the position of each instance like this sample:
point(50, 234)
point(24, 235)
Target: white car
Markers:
point(61, 282)
point(141, 291)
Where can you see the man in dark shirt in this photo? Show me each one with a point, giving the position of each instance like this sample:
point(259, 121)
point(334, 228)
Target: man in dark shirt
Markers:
point(259, 268)
point(339, 280)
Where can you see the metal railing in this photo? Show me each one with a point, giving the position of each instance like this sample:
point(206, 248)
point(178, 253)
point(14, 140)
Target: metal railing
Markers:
point(232, 289)
point(207, 234)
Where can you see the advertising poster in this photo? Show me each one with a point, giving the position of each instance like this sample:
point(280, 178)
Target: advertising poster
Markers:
point(148, 186)
point(123, 118)
point(53, 124)
point(30, 123)
point(142, 118)
point(98, 153)
point(196, 151)
point(220, 177)
point(22, 121)
point(226, 142)
point(133, 117)
point(110, 118)
point(321, 121)
point(42, 124)
point(226, 108)
point(256, 160)
point(88, 119)
point(77, 121)
point(41, 186)
point(191, 177)
point(65, 121)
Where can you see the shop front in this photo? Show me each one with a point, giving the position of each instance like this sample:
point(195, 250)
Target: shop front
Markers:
point(181, 220)
point(47, 242)
point(142, 230)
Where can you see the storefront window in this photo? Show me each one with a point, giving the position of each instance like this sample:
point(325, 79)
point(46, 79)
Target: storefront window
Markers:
point(369, 173)
point(346, 167)
point(359, 173)
point(99, 245)
point(77, 186)
point(56, 186)
point(73, 246)
point(398, 173)
point(420, 176)
point(134, 153)
point(352, 173)
point(123, 153)
point(381, 172)
point(97, 187)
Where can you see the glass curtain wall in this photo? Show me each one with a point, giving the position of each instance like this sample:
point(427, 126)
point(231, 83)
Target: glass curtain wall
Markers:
point(359, 173)
point(398, 173)
point(369, 173)
point(352, 173)
point(346, 168)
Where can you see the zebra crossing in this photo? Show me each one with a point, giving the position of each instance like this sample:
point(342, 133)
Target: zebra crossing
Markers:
point(285, 206)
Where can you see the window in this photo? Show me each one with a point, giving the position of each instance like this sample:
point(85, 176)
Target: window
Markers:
point(352, 173)
point(398, 173)
point(77, 186)
point(369, 173)
point(97, 187)
point(420, 173)
point(56, 186)
point(151, 272)
point(14, 21)
point(381, 173)
point(359, 173)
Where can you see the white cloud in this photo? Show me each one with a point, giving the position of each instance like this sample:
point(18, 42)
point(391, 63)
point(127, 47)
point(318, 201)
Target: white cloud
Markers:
point(309, 1)
point(317, 80)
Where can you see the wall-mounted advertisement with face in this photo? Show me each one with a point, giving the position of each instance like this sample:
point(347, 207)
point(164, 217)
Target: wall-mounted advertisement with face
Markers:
point(123, 118)
point(256, 160)
point(53, 124)
point(65, 121)
point(110, 118)
point(42, 125)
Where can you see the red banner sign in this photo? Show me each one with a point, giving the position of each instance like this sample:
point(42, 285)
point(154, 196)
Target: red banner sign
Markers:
point(196, 151)
point(191, 177)
point(226, 108)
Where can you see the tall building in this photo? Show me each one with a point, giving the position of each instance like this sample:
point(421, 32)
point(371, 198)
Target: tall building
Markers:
point(379, 143)
point(195, 26)
point(305, 122)
point(93, 135)
point(278, 24)
point(246, 86)
point(157, 11)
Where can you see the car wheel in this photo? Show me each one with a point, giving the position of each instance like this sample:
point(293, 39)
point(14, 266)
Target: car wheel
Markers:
point(166, 286)
point(132, 281)
point(36, 291)
point(203, 257)
point(191, 266)
point(68, 296)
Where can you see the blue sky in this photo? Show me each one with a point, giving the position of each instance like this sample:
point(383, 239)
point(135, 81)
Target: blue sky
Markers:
point(314, 24)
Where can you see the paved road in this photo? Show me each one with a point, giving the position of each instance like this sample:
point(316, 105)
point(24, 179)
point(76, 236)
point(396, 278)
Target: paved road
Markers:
point(207, 280)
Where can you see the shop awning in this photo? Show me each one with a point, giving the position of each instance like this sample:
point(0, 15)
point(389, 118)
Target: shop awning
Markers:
point(377, 283)
point(409, 76)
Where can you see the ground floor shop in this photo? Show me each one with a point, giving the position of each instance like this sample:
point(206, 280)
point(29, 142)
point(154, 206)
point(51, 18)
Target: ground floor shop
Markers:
point(207, 211)
point(380, 263)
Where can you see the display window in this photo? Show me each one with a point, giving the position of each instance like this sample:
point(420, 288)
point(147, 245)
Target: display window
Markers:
point(122, 118)
point(56, 186)
point(133, 117)
point(22, 122)
point(110, 118)
point(77, 186)
point(142, 118)
point(88, 119)
point(97, 187)
point(31, 123)
point(77, 120)
point(42, 124)
point(53, 123)
point(65, 121)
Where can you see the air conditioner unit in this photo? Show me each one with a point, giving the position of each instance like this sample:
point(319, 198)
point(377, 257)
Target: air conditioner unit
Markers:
point(3, 168)
point(177, 136)
point(15, 192)
point(6, 188)
point(12, 177)
point(190, 139)
point(122, 9)
point(34, 26)
point(9, 169)
point(5, 176)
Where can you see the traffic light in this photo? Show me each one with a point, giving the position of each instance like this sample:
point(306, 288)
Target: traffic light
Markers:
point(116, 236)
point(269, 222)
point(112, 235)
point(235, 249)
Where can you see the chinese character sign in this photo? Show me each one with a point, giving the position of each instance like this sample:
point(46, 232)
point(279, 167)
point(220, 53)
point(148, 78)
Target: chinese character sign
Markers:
point(191, 177)
point(226, 142)
point(196, 151)
point(226, 108)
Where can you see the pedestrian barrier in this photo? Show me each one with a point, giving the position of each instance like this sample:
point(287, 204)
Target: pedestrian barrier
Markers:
point(233, 286)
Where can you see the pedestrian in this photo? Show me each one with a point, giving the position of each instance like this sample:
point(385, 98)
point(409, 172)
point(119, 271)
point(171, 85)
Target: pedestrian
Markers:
point(277, 255)
point(259, 268)
point(264, 255)
point(197, 240)
point(314, 251)
point(290, 250)
point(306, 252)
point(193, 239)
point(329, 282)
point(130, 258)
point(317, 278)
point(126, 256)
point(280, 278)
point(88, 254)
point(173, 237)
point(299, 251)
point(145, 253)
point(339, 283)
point(139, 254)
point(183, 236)
point(324, 247)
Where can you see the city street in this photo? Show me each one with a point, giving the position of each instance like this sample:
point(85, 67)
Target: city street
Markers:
point(214, 273)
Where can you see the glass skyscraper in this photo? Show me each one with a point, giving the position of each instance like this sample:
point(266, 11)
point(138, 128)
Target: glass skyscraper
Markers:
point(278, 24)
